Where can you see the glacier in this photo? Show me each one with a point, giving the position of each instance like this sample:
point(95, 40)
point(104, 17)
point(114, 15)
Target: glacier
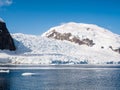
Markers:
point(33, 49)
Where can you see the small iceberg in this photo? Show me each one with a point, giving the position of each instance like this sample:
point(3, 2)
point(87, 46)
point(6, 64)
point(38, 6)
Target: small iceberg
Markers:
point(28, 74)
point(4, 71)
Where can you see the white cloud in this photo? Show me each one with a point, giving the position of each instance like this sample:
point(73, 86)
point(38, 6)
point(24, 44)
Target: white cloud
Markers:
point(5, 2)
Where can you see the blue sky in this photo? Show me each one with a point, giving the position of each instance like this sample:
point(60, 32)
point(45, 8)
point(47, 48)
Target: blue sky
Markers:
point(37, 16)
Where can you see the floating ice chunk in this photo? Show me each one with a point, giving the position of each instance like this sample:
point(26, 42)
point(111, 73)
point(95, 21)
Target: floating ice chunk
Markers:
point(29, 74)
point(4, 71)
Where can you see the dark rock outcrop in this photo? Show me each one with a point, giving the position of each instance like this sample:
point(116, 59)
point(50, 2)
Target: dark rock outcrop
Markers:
point(71, 38)
point(6, 41)
point(115, 50)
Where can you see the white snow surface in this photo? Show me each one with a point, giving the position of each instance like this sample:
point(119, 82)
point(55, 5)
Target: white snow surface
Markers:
point(100, 36)
point(33, 49)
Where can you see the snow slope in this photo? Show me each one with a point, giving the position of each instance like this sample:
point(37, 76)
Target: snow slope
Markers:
point(33, 49)
point(100, 36)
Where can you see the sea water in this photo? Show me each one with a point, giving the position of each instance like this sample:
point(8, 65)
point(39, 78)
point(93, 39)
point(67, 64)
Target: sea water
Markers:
point(67, 78)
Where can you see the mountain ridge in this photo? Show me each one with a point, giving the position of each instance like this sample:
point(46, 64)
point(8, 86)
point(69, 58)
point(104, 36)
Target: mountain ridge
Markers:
point(1, 20)
point(42, 49)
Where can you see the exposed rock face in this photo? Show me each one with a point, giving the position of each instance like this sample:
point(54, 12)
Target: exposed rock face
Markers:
point(115, 50)
point(6, 41)
point(70, 37)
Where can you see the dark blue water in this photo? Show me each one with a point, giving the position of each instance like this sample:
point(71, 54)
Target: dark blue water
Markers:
point(62, 79)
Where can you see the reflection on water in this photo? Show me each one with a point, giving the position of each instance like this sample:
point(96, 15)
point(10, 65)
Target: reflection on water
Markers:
point(4, 81)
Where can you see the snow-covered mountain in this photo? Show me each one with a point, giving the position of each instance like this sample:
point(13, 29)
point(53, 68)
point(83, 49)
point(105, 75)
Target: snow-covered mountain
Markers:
point(89, 34)
point(70, 43)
